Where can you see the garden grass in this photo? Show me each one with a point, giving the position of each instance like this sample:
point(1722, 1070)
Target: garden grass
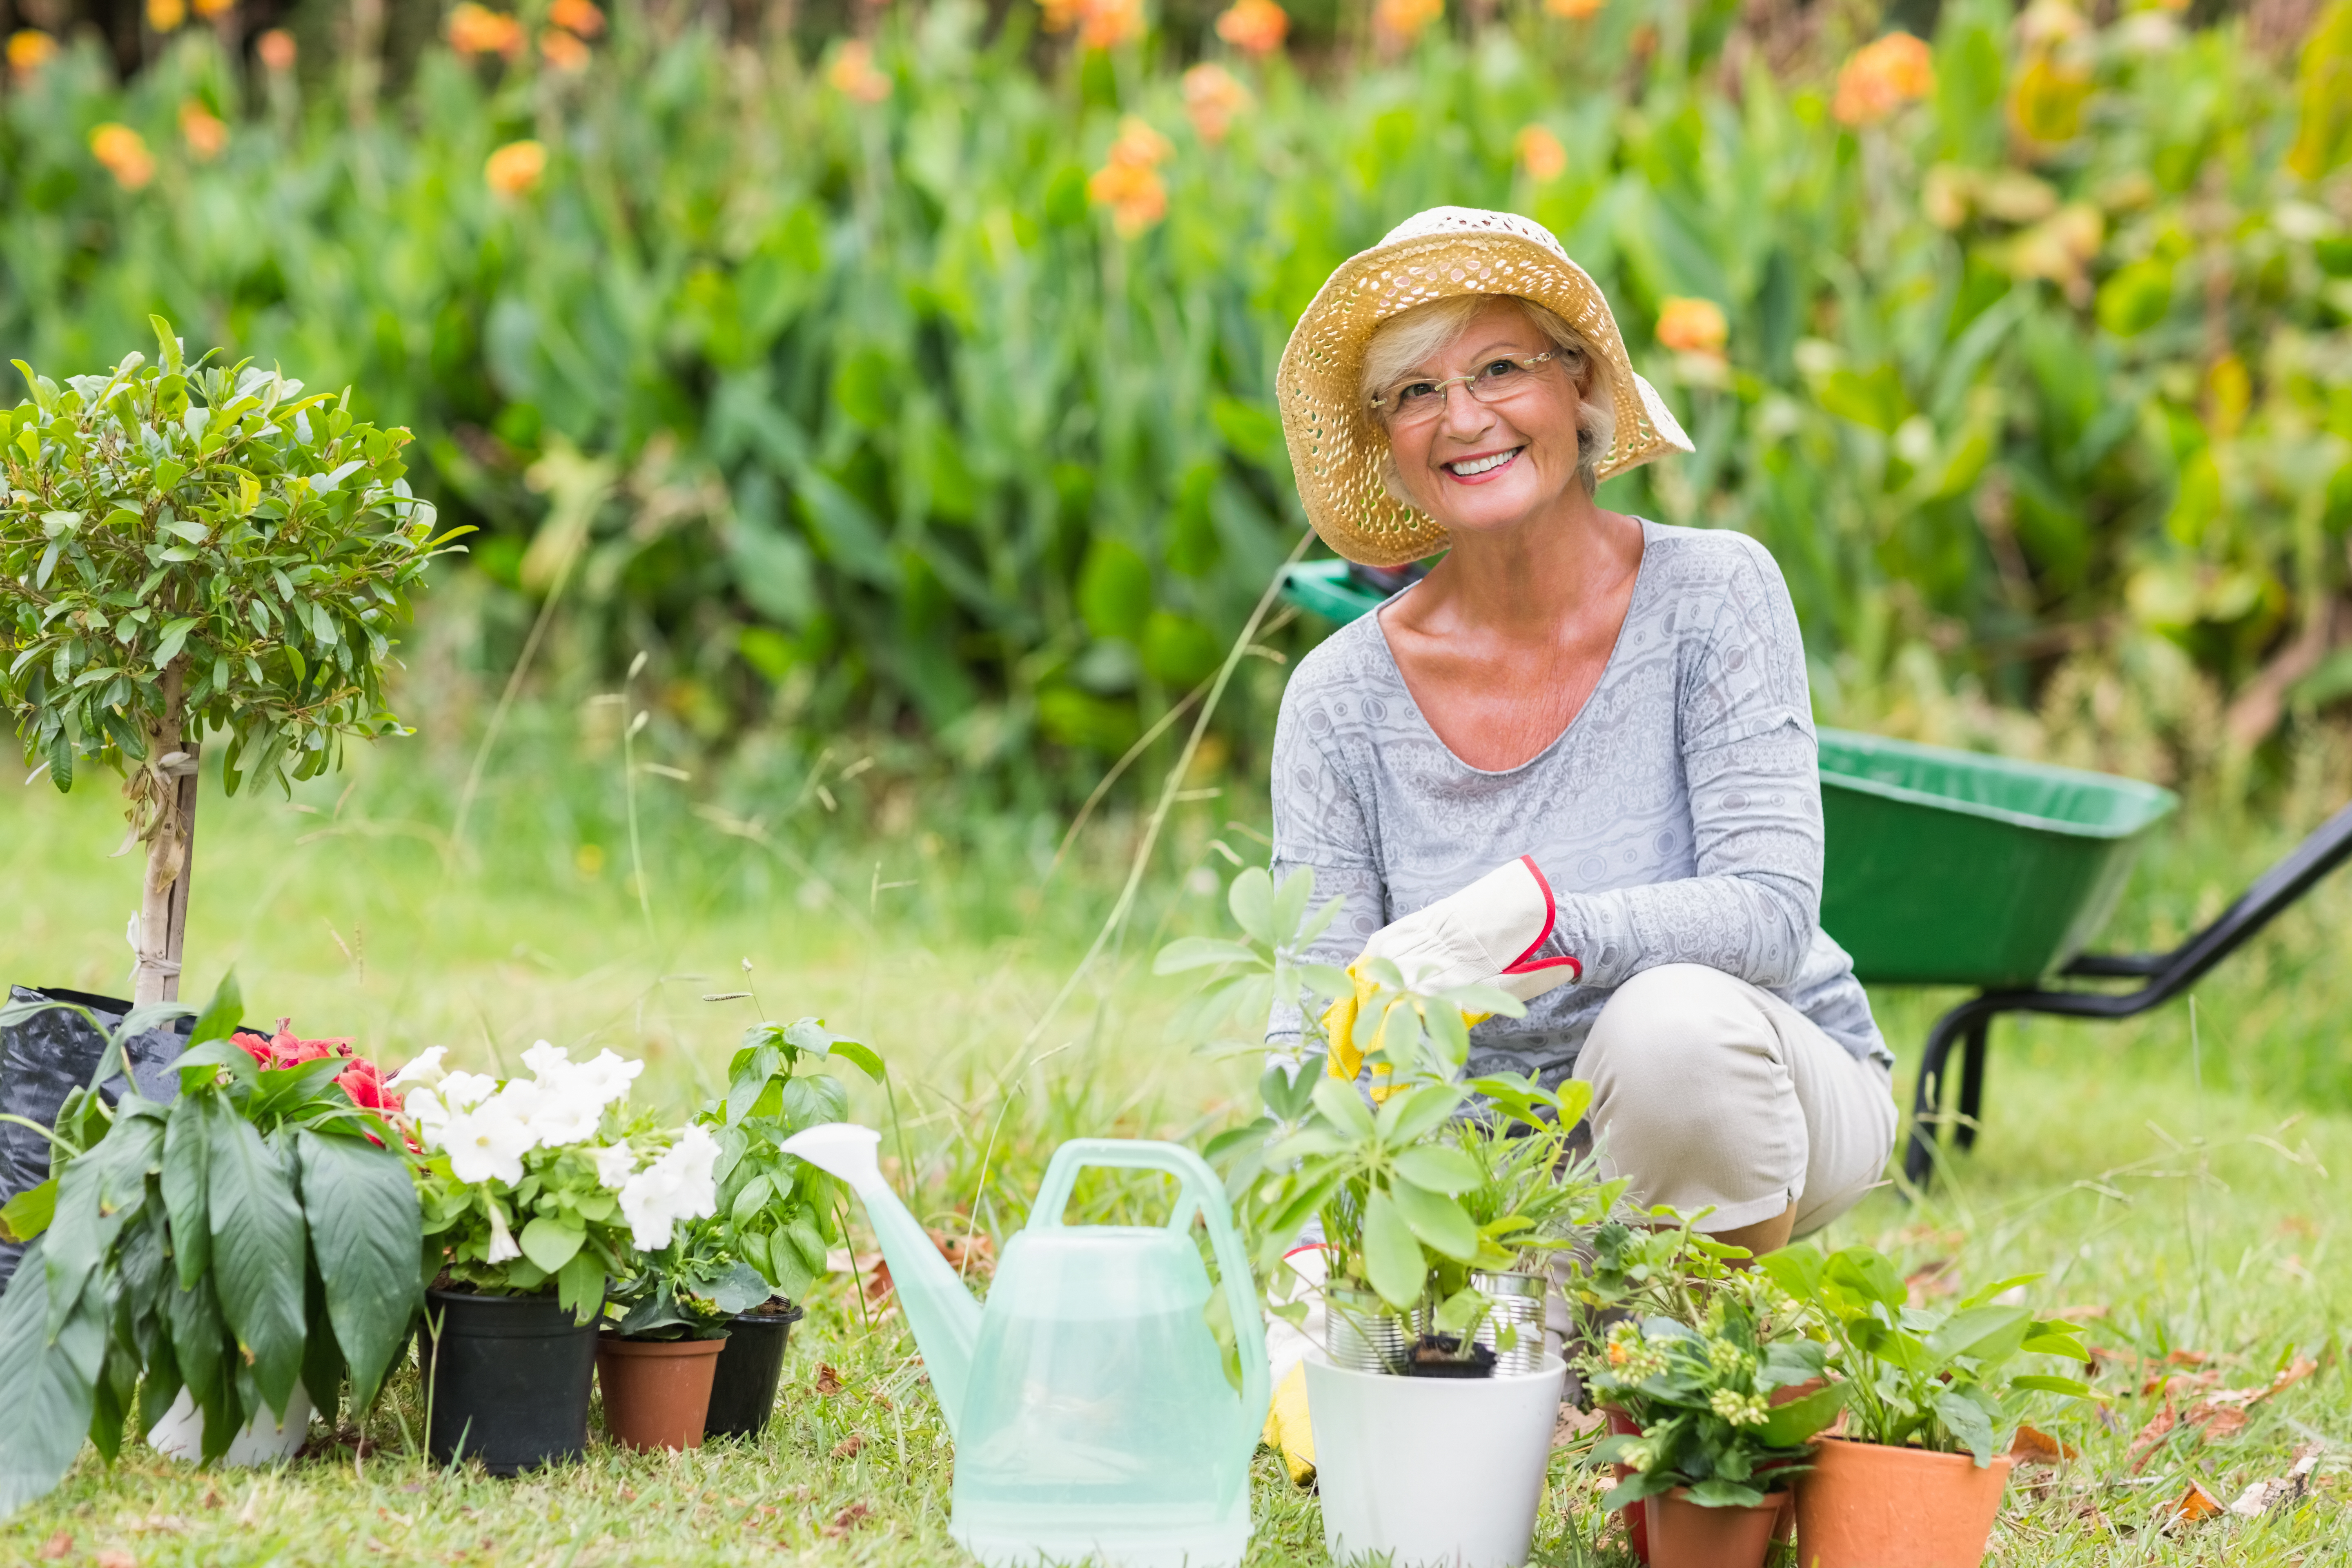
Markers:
point(2193, 1192)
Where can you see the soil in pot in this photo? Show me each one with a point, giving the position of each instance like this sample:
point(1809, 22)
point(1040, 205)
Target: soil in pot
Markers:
point(743, 1385)
point(1440, 1355)
point(1863, 1505)
point(1684, 1536)
point(510, 1379)
point(657, 1391)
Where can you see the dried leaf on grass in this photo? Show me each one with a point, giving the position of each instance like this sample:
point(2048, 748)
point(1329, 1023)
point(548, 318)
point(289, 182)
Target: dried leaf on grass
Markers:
point(828, 1381)
point(848, 1519)
point(2217, 1416)
point(848, 1447)
point(115, 1557)
point(1932, 1279)
point(56, 1546)
point(973, 1256)
point(2194, 1506)
point(2031, 1446)
point(2261, 1497)
point(2151, 1438)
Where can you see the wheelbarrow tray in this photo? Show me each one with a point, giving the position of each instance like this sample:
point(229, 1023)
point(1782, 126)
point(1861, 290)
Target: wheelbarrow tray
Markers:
point(1955, 867)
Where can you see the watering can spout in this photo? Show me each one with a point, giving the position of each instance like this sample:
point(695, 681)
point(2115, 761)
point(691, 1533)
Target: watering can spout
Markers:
point(943, 1314)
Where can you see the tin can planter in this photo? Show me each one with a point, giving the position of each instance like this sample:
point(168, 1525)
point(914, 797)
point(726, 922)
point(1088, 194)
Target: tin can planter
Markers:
point(743, 1385)
point(1866, 1505)
point(1516, 1302)
point(1360, 1333)
point(1431, 1469)
point(507, 1380)
point(657, 1391)
point(1682, 1534)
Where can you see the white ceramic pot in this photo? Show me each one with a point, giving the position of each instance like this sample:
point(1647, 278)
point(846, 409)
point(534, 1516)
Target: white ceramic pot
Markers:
point(265, 1440)
point(1431, 1470)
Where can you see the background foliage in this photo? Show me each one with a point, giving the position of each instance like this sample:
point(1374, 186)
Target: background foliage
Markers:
point(815, 367)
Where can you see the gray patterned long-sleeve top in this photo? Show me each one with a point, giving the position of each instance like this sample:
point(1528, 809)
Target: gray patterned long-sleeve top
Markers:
point(1677, 818)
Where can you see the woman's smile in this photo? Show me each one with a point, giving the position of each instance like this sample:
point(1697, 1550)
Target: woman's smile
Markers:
point(1478, 469)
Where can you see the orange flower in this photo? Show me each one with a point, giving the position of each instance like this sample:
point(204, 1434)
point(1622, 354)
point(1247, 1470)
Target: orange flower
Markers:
point(1140, 146)
point(209, 9)
point(165, 16)
point(1101, 24)
point(203, 130)
point(478, 30)
point(1540, 155)
point(563, 50)
point(1133, 193)
point(1254, 27)
point(579, 15)
point(1881, 77)
point(124, 153)
point(1404, 19)
point(1574, 10)
point(1212, 97)
point(515, 169)
point(852, 73)
point(28, 52)
point(1692, 327)
point(276, 49)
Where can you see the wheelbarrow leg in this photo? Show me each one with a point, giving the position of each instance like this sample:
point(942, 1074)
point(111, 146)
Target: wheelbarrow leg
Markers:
point(1972, 1076)
point(1967, 1020)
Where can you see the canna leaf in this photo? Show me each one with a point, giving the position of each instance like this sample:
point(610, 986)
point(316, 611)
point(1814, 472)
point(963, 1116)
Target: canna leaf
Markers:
point(257, 1251)
point(1393, 1266)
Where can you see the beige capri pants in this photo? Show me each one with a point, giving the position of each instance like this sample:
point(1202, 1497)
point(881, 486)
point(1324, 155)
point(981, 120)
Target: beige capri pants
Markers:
point(1709, 1092)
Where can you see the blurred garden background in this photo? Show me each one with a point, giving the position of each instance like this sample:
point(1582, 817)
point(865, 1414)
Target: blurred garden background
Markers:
point(876, 394)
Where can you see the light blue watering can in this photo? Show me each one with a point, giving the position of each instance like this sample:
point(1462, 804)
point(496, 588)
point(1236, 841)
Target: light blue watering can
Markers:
point(1088, 1399)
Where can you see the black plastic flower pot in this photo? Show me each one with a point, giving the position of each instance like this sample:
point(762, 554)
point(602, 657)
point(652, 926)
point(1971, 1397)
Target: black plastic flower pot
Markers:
point(507, 1380)
point(743, 1391)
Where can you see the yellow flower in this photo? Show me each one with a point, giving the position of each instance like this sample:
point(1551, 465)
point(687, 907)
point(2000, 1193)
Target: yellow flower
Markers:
point(1693, 326)
point(1254, 27)
point(165, 16)
point(1881, 77)
point(203, 130)
point(1540, 155)
point(853, 73)
point(210, 9)
point(516, 168)
point(478, 30)
point(1574, 10)
point(28, 51)
point(124, 153)
point(1212, 97)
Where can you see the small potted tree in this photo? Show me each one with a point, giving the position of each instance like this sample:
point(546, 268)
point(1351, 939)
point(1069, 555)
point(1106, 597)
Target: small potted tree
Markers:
point(1915, 1479)
point(183, 549)
point(775, 1212)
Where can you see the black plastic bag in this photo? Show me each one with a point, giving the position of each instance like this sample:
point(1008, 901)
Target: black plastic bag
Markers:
point(47, 1056)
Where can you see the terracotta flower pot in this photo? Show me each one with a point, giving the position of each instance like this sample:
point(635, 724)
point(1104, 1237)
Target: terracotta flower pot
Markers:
point(1684, 1536)
point(657, 1391)
point(1863, 1505)
point(1637, 1517)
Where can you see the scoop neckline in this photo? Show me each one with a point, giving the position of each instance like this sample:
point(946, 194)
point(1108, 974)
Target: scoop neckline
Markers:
point(1608, 668)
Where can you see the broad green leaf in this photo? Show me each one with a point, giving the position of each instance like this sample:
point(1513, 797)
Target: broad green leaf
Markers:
point(28, 1214)
point(579, 1286)
point(1987, 1333)
point(1866, 1272)
point(1967, 1421)
point(1392, 1259)
point(864, 1058)
point(1289, 907)
point(1437, 1220)
point(46, 1385)
point(257, 1252)
point(2073, 1388)
point(551, 1243)
point(1344, 1108)
point(1439, 1169)
point(1251, 900)
point(1794, 1422)
point(188, 1138)
point(1200, 952)
point(218, 1021)
point(1411, 1114)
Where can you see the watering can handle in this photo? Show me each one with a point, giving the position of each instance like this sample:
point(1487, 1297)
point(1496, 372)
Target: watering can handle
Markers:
point(1201, 1192)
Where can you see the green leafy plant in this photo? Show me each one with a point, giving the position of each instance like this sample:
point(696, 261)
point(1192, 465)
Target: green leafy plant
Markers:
point(258, 1230)
point(187, 547)
point(777, 1212)
point(1935, 1378)
point(1702, 1392)
point(687, 1290)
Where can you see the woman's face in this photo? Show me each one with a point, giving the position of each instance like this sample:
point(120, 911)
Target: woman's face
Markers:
point(1484, 466)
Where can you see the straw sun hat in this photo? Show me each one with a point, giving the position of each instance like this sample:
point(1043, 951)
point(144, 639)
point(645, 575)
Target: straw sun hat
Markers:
point(1338, 448)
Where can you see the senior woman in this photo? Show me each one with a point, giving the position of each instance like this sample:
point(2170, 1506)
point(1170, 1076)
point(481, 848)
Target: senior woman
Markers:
point(1577, 759)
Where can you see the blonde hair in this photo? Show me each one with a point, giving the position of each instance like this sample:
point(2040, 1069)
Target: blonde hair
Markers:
point(1409, 337)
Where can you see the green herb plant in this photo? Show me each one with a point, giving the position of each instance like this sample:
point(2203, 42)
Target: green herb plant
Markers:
point(1935, 1378)
point(257, 1231)
point(191, 546)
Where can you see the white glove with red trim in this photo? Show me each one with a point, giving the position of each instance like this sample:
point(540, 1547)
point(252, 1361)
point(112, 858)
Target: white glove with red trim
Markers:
point(1487, 933)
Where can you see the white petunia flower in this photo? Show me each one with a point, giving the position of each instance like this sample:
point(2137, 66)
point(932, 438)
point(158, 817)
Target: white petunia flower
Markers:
point(424, 1108)
point(425, 1070)
point(487, 1145)
point(546, 1060)
point(615, 1163)
point(677, 1185)
point(566, 1116)
point(607, 1078)
point(460, 1091)
point(503, 1245)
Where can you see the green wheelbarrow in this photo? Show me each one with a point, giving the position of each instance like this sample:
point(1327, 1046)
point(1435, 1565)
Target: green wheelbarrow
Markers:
point(1949, 868)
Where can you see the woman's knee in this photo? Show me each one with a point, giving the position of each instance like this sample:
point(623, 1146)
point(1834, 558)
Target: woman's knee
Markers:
point(1666, 1025)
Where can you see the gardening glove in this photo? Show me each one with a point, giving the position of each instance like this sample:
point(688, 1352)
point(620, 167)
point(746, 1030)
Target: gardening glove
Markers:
point(1487, 933)
point(1287, 1430)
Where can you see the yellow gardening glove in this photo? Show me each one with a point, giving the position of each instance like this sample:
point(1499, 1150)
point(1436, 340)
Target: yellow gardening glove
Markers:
point(1345, 1061)
point(1287, 1430)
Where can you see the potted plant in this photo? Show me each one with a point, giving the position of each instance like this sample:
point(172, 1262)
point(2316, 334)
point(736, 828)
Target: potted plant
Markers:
point(654, 1363)
point(237, 1250)
point(775, 1211)
point(1423, 1451)
point(1917, 1477)
point(190, 547)
point(535, 1193)
point(1718, 1442)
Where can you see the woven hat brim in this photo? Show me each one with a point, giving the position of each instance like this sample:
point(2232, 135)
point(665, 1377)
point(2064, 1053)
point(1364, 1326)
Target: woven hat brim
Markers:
point(1338, 450)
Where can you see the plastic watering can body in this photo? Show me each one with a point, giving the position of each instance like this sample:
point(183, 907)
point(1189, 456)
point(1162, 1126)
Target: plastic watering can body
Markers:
point(1093, 1416)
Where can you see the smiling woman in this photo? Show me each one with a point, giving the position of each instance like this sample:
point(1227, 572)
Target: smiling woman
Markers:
point(1577, 759)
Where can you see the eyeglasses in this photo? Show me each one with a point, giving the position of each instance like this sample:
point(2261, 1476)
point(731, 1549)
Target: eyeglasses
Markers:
point(1412, 403)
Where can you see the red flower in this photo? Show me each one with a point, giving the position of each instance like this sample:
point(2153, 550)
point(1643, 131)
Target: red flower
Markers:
point(365, 1086)
point(283, 1050)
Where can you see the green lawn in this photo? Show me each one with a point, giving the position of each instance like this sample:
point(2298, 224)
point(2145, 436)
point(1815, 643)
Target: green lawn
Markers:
point(2193, 1195)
